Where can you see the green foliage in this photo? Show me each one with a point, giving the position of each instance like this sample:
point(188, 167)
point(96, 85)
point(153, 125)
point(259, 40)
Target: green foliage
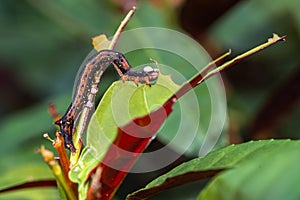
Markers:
point(271, 172)
point(19, 162)
point(254, 170)
point(44, 42)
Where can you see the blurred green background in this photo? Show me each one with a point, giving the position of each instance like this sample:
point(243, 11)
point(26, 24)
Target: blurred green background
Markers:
point(43, 42)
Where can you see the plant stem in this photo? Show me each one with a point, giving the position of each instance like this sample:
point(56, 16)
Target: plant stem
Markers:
point(121, 28)
point(48, 157)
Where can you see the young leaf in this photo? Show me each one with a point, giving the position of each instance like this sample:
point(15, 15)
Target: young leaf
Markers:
point(121, 103)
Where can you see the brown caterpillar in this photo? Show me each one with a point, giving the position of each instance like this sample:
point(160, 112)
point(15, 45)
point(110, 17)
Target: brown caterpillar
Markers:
point(87, 84)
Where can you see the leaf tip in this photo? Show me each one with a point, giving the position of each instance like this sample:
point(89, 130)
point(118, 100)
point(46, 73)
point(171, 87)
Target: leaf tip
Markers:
point(276, 37)
point(229, 51)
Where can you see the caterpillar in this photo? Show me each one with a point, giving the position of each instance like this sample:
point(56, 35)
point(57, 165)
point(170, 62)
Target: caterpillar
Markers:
point(87, 84)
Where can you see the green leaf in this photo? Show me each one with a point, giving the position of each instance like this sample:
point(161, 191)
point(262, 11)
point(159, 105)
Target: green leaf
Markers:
point(21, 135)
point(272, 172)
point(194, 109)
point(216, 161)
point(32, 194)
point(134, 102)
point(23, 173)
